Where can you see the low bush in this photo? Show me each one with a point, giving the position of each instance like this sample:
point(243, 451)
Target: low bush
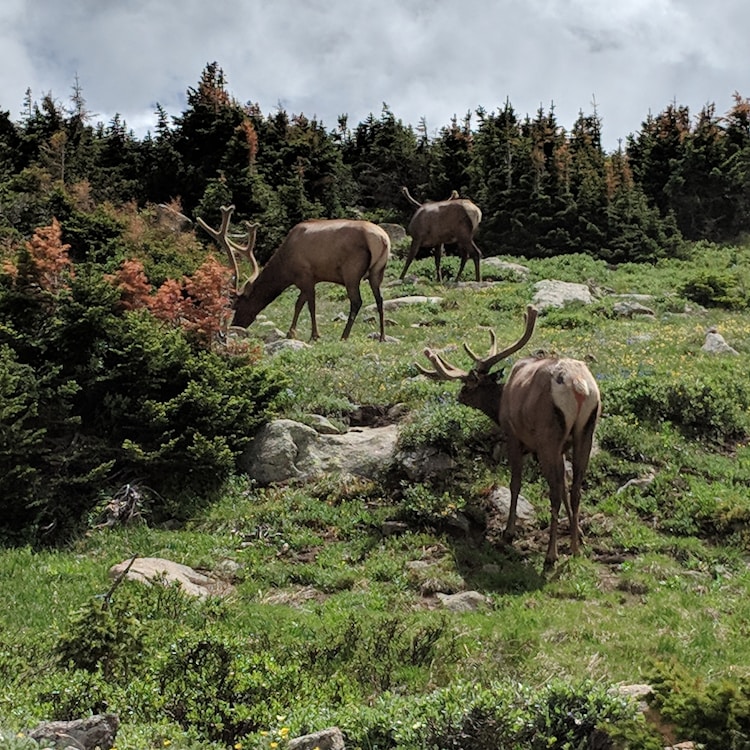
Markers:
point(713, 403)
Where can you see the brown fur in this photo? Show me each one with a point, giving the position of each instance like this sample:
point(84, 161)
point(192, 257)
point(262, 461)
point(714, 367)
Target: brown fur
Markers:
point(547, 406)
point(434, 225)
point(340, 251)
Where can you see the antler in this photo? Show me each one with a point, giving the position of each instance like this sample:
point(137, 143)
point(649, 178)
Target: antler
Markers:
point(232, 248)
point(446, 371)
point(443, 370)
point(408, 196)
point(484, 364)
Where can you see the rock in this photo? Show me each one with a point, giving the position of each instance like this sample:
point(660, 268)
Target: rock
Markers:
point(98, 731)
point(395, 232)
point(715, 344)
point(169, 218)
point(426, 462)
point(494, 268)
point(326, 739)
point(499, 500)
point(274, 347)
point(643, 481)
point(286, 450)
point(394, 528)
point(322, 425)
point(151, 570)
point(630, 308)
point(464, 601)
point(551, 293)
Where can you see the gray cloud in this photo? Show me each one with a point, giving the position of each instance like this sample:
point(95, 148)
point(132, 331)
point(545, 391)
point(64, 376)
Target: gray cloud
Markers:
point(424, 59)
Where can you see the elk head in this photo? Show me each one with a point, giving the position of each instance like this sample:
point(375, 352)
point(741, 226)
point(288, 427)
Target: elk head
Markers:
point(481, 389)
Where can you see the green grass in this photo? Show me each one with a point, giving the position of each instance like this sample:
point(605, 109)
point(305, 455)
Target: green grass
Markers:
point(333, 621)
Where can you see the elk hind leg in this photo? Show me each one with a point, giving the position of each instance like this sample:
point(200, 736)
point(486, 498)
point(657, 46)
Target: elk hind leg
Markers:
point(375, 286)
point(413, 250)
point(554, 473)
point(580, 459)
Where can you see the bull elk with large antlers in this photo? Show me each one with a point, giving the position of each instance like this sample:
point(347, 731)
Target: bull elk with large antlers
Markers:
point(547, 406)
point(341, 251)
point(444, 222)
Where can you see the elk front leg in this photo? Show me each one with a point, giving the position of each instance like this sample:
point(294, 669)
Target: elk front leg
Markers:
point(298, 305)
point(515, 460)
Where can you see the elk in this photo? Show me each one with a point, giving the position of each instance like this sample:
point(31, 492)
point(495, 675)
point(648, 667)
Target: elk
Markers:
point(340, 251)
point(436, 224)
point(547, 406)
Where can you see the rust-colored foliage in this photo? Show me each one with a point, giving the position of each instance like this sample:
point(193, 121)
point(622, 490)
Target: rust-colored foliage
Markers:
point(49, 259)
point(169, 302)
point(208, 309)
point(251, 138)
point(199, 304)
point(133, 284)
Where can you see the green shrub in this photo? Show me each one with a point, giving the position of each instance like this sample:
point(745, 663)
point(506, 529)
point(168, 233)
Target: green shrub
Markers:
point(715, 713)
point(421, 505)
point(715, 289)
point(96, 398)
point(103, 635)
point(713, 402)
point(444, 424)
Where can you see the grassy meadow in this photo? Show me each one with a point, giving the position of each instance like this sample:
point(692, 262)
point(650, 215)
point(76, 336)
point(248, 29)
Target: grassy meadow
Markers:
point(332, 622)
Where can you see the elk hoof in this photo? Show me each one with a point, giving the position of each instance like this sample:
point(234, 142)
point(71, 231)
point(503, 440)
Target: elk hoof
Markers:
point(509, 536)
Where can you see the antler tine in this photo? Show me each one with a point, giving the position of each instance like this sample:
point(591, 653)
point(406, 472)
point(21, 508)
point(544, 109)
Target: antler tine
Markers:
point(491, 353)
point(443, 370)
point(220, 237)
point(247, 249)
point(486, 364)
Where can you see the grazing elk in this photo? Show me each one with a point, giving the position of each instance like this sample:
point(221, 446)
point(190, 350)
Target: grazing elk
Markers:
point(341, 251)
point(436, 224)
point(546, 406)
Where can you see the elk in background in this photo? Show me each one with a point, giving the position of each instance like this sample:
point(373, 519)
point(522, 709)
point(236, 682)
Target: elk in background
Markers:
point(434, 225)
point(547, 406)
point(341, 251)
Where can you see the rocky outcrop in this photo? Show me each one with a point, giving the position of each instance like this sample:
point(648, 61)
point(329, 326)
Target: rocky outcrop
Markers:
point(286, 450)
point(97, 731)
point(552, 293)
point(155, 570)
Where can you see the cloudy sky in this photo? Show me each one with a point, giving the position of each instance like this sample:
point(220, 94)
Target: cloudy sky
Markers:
point(423, 58)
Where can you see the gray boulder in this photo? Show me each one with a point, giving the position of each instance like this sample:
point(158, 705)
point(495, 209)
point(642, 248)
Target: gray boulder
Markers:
point(150, 570)
point(98, 731)
point(552, 293)
point(286, 450)
point(715, 344)
point(326, 739)
point(494, 268)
